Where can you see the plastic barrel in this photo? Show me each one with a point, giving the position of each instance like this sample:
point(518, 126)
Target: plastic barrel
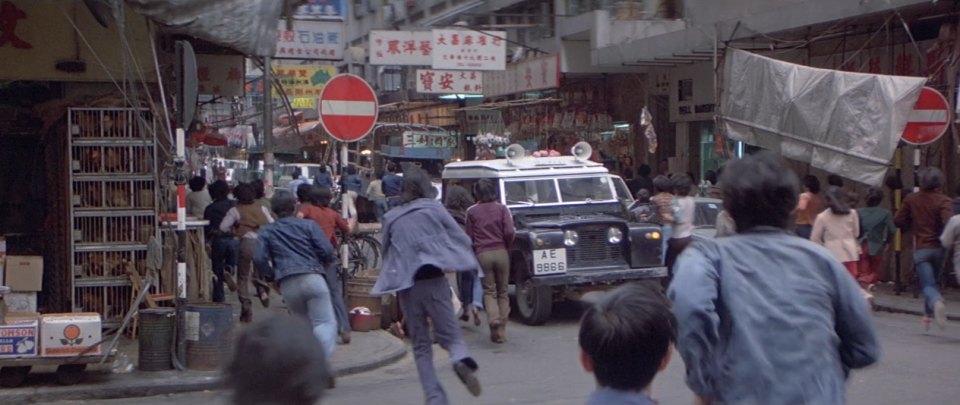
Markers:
point(155, 339)
point(208, 333)
point(358, 295)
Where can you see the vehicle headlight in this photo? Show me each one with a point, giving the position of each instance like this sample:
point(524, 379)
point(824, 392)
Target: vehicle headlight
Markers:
point(614, 236)
point(570, 238)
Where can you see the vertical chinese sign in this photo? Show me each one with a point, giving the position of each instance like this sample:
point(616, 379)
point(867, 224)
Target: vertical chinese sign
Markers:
point(404, 48)
point(316, 40)
point(469, 50)
point(449, 82)
point(302, 84)
point(221, 75)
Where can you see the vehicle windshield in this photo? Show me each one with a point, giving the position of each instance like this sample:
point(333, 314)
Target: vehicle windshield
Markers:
point(530, 192)
point(525, 192)
point(707, 212)
point(585, 189)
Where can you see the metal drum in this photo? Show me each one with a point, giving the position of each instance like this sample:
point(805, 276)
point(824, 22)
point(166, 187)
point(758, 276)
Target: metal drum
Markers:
point(208, 333)
point(156, 339)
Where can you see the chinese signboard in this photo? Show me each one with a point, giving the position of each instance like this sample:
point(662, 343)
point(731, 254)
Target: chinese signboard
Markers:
point(417, 153)
point(220, 75)
point(528, 75)
point(300, 81)
point(322, 9)
point(407, 48)
point(431, 139)
point(303, 103)
point(449, 82)
point(310, 40)
point(469, 50)
point(483, 121)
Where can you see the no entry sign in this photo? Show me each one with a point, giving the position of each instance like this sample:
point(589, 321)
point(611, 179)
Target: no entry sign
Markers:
point(929, 119)
point(348, 108)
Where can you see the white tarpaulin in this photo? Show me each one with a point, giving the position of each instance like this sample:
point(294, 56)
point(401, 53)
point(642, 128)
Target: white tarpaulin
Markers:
point(844, 123)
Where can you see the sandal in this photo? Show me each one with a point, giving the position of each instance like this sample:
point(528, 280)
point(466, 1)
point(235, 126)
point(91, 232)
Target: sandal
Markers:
point(476, 316)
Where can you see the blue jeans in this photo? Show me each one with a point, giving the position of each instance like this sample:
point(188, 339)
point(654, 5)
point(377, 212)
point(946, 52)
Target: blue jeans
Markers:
point(927, 263)
point(379, 208)
point(223, 253)
point(308, 296)
point(335, 283)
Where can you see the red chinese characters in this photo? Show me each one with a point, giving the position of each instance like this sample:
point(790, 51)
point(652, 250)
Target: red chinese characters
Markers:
point(446, 81)
point(393, 47)
point(10, 15)
point(426, 78)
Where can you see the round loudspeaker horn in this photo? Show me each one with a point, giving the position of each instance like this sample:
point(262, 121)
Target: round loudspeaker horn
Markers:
point(582, 151)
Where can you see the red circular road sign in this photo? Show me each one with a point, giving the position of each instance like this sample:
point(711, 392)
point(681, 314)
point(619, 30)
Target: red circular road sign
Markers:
point(348, 107)
point(929, 119)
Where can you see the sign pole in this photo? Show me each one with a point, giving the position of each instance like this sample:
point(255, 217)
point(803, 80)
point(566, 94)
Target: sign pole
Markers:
point(268, 162)
point(344, 247)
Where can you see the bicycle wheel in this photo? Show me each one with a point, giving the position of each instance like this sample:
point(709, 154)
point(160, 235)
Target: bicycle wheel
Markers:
point(363, 256)
point(373, 250)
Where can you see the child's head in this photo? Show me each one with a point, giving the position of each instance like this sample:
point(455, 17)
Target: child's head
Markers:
point(643, 195)
point(625, 337)
point(277, 361)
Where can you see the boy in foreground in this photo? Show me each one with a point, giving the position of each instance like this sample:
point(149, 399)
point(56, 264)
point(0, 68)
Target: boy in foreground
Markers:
point(625, 339)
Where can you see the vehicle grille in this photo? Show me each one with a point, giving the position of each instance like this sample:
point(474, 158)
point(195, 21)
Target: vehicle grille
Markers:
point(593, 250)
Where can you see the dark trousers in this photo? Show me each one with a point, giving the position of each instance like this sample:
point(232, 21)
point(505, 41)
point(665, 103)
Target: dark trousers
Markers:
point(674, 247)
point(223, 253)
point(335, 282)
point(432, 299)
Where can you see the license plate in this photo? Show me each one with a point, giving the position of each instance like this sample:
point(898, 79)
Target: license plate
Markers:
point(549, 261)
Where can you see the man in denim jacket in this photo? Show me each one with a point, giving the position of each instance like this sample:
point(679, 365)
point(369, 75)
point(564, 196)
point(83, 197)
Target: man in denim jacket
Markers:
point(299, 252)
point(420, 242)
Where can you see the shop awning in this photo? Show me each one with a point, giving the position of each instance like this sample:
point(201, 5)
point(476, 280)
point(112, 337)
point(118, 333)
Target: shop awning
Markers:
point(844, 123)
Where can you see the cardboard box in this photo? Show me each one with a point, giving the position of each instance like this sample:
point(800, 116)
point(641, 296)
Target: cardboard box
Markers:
point(24, 273)
point(65, 335)
point(21, 301)
point(18, 337)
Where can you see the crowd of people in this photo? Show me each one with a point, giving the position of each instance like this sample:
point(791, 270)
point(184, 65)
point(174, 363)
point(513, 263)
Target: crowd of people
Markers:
point(785, 260)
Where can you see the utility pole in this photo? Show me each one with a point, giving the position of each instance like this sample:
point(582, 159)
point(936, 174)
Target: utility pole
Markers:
point(267, 129)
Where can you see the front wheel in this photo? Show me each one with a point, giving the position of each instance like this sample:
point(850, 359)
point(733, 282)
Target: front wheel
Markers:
point(534, 303)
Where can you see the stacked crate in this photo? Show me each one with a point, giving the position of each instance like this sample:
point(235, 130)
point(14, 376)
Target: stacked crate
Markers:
point(113, 186)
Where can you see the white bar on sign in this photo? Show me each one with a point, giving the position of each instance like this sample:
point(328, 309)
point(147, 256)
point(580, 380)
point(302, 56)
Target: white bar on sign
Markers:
point(345, 107)
point(928, 116)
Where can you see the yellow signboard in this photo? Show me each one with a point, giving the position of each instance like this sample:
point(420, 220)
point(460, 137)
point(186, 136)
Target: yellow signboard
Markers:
point(303, 103)
point(303, 81)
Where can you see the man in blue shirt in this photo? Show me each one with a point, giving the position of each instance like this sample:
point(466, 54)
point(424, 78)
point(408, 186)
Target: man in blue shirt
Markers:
point(625, 339)
point(296, 252)
point(391, 186)
point(766, 317)
point(297, 180)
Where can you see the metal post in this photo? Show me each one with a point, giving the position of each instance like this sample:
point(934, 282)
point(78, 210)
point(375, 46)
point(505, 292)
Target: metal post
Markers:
point(181, 181)
point(898, 236)
point(916, 188)
point(267, 130)
point(344, 247)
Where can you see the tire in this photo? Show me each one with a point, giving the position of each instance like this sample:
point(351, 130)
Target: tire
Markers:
point(534, 303)
point(70, 374)
point(11, 377)
point(372, 251)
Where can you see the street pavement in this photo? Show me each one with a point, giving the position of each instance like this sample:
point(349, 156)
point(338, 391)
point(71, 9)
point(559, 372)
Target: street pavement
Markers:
point(539, 365)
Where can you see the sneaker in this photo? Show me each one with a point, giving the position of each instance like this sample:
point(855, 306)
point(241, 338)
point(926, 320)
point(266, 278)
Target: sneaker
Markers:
point(940, 314)
point(466, 369)
point(345, 337)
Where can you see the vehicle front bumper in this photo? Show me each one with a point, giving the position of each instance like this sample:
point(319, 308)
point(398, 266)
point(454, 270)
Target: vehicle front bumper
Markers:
point(599, 275)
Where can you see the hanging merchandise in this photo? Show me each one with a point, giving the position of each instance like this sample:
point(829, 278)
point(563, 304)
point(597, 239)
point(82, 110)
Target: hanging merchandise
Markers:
point(646, 122)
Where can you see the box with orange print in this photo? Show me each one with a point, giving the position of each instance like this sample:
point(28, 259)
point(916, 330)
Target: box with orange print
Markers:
point(70, 334)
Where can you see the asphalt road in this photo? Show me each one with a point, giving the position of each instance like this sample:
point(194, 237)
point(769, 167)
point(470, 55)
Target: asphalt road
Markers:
point(539, 365)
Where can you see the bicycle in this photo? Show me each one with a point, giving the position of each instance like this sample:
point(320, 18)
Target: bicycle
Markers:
point(365, 253)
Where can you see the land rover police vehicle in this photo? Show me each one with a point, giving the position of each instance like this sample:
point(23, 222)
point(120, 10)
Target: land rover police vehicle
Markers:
point(573, 230)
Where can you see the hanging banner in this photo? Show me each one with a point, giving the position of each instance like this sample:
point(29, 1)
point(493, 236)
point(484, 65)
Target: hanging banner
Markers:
point(405, 48)
point(844, 123)
point(322, 9)
point(449, 82)
point(469, 50)
point(528, 75)
point(221, 75)
point(316, 40)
